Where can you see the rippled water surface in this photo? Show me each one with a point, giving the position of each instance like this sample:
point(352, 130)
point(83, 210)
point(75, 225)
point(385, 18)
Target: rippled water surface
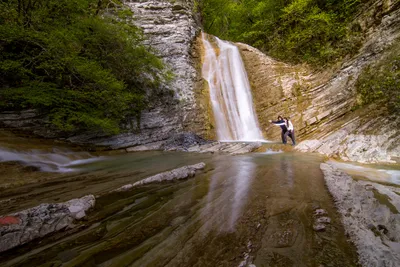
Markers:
point(255, 208)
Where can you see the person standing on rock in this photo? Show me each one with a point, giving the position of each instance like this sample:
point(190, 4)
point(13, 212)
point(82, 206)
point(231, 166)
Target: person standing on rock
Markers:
point(281, 123)
point(290, 131)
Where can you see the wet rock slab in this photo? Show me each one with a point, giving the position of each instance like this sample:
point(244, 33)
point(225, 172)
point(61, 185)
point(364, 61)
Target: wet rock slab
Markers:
point(227, 148)
point(370, 214)
point(175, 174)
point(189, 143)
point(24, 226)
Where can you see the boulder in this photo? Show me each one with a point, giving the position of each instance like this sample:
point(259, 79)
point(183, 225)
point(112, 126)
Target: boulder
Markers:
point(22, 227)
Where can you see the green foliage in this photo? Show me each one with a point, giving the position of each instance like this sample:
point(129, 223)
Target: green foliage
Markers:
point(310, 31)
point(381, 82)
point(82, 62)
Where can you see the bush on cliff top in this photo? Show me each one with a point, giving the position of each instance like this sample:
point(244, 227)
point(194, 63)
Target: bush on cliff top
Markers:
point(81, 62)
point(311, 31)
point(380, 83)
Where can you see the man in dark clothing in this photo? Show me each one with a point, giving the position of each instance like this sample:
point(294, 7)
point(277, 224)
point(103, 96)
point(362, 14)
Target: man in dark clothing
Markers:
point(281, 123)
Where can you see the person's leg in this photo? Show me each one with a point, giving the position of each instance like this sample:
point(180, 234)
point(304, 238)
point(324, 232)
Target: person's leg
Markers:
point(283, 135)
point(292, 137)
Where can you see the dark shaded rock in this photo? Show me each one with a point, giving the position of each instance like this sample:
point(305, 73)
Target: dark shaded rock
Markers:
point(383, 229)
point(319, 212)
point(324, 220)
point(183, 141)
point(319, 227)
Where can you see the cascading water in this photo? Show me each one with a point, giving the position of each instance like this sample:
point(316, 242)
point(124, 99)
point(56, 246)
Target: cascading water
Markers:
point(54, 161)
point(230, 93)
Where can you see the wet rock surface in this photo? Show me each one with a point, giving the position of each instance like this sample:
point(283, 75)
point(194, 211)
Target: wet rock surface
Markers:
point(189, 142)
point(22, 227)
point(175, 174)
point(370, 214)
point(354, 141)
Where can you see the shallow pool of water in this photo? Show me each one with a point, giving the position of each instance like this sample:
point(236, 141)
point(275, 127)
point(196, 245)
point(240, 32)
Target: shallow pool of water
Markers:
point(255, 208)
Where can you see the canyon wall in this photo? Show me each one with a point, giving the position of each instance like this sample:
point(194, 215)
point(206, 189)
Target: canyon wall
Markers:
point(323, 105)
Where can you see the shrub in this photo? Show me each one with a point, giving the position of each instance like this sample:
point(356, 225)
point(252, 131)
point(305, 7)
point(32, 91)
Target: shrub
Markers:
point(381, 82)
point(82, 62)
point(310, 31)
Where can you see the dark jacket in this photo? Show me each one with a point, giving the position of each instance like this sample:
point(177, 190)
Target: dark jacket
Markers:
point(283, 126)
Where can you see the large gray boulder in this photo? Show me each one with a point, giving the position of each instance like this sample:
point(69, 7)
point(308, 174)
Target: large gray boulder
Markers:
point(24, 226)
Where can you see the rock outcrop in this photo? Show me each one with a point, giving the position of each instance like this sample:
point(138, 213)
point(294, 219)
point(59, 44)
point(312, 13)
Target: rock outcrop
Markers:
point(190, 142)
point(22, 227)
point(321, 105)
point(370, 214)
point(352, 142)
point(175, 174)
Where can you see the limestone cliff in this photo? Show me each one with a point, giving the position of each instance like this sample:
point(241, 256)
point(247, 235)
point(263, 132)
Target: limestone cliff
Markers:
point(322, 104)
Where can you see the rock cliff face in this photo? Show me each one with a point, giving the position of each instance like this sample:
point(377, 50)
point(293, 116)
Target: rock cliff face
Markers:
point(170, 28)
point(321, 105)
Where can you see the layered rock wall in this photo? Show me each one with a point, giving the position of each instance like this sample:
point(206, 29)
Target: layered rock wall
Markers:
point(321, 105)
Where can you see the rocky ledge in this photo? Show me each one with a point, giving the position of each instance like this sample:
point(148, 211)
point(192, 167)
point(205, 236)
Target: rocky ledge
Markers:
point(189, 142)
point(370, 214)
point(22, 227)
point(354, 141)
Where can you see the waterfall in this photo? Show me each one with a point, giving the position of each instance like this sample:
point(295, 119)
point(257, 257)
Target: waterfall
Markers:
point(230, 93)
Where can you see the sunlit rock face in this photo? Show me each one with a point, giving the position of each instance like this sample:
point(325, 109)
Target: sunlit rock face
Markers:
point(321, 104)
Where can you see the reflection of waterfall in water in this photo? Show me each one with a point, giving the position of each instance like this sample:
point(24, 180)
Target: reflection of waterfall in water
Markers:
point(287, 172)
point(226, 200)
point(230, 93)
point(243, 178)
point(55, 161)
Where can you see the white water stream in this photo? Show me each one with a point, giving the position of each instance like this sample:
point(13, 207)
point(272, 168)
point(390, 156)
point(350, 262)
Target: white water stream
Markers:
point(55, 161)
point(230, 93)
